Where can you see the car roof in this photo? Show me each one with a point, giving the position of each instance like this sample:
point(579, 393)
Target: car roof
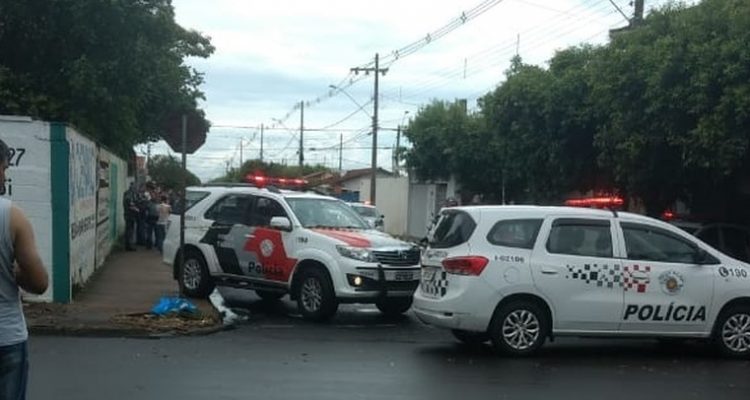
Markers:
point(246, 188)
point(554, 210)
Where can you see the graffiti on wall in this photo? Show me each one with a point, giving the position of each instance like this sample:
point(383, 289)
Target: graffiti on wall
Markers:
point(103, 237)
point(83, 186)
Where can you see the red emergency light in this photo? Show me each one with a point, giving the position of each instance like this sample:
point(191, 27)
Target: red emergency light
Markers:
point(598, 202)
point(261, 181)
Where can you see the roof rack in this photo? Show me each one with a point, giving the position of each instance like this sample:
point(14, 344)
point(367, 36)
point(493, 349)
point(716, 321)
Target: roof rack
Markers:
point(614, 212)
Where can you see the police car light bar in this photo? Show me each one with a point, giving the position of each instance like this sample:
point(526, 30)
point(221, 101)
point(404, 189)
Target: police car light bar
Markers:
point(261, 181)
point(602, 202)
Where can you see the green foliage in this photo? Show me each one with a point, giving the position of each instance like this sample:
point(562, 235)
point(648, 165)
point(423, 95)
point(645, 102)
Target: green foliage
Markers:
point(166, 171)
point(113, 68)
point(662, 113)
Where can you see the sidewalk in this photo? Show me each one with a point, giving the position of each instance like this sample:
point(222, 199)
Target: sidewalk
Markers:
point(116, 302)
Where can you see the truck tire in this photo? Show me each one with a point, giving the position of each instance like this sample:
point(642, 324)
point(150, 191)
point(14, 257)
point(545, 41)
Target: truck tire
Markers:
point(194, 279)
point(316, 299)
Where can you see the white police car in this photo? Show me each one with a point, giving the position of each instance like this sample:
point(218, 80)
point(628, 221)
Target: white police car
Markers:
point(517, 275)
point(316, 248)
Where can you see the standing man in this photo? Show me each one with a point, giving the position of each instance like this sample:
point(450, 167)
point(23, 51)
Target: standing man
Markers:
point(130, 208)
point(20, 267)
point(164, 210)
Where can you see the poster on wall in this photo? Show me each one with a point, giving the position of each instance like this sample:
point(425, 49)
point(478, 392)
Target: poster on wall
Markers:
point(84, 180)
point(103, 236)
point(27, 181)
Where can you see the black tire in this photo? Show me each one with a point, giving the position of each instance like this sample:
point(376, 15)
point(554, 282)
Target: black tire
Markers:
point(531, 321)
point(268, 295)
point(312, 306)
point(733, 318)
point(394, 306)
point(471, 338)
point(194, 279)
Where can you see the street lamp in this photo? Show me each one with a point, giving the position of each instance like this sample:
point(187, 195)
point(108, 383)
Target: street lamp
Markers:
point(341, 90)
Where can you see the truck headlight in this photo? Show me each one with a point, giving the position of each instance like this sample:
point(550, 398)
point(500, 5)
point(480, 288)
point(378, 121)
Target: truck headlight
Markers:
point(356, 253)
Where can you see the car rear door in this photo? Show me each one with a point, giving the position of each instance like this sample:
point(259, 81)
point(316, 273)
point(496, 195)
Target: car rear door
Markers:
point(575, 266)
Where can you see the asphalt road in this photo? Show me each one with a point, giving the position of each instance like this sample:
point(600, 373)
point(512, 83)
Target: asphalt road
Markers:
point(363, 355)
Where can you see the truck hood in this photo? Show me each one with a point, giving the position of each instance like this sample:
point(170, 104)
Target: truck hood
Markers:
point(365, 238)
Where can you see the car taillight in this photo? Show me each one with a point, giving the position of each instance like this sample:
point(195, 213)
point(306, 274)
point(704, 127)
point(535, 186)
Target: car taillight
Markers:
point(471, 265)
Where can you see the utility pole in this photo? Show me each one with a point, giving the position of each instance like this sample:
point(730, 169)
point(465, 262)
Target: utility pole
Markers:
point(301, 133)
point(341, 150)
point(240, 153)
point(261, 142)
point(395, 151)
point(377, 70)
point(638, 15)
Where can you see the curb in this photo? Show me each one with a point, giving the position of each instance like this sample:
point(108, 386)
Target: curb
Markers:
point(109, 332)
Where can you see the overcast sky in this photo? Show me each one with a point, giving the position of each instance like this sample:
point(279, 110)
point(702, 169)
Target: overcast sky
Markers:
point(270, 55)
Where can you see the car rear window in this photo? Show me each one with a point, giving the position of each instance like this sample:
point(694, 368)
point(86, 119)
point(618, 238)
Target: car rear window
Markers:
point(453, 229)
point(192, 197)
point(520, 233)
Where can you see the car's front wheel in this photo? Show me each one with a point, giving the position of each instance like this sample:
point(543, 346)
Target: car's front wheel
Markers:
point(394, 306)
point(315, 296)
point(194, 278)
point(518, 328)
point(732, 333)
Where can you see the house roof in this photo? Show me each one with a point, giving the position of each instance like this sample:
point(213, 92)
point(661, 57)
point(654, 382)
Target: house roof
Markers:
point(359, 173)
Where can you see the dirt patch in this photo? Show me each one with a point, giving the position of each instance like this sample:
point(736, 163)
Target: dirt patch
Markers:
point(177, 323)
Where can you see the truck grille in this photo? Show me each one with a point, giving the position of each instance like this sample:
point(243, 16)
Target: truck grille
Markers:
point(398, 257)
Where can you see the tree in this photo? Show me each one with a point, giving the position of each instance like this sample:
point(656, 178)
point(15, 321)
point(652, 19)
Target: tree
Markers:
point(677, 91)
point(166, 171)
point(113, 68)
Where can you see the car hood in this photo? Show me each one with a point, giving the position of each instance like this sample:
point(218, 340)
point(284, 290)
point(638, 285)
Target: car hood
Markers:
point(365, 238)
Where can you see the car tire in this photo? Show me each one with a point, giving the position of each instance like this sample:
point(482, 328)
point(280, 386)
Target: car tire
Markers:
point(394, 306)
point(518, 328)
point(268, 295)
point(194, 279)
point(732, 332)
point(471, 338)
point(316, 299)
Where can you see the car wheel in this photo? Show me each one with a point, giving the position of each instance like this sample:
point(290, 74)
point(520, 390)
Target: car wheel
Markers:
point(195, 280)
point(394, 306)
point(315, 297)
point(471, 338)
point(268, 295)
point(518, 329)
point(732, 332)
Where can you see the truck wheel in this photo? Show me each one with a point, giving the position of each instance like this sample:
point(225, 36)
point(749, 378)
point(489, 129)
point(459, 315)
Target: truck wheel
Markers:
point(268, 295)
point(470, 338)
point(518, 328)
point(195, 280)
point(732, 332)
point(394, 306)
point(315, 297)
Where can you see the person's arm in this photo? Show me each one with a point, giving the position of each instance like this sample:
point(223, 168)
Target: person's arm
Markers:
point(30, 273)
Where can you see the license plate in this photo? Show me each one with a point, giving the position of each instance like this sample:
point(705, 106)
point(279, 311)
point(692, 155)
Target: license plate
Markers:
point(428, 274)
point(404, 276)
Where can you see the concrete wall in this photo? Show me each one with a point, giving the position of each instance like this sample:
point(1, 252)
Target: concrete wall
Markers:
point(28, 180)
point(71, 190)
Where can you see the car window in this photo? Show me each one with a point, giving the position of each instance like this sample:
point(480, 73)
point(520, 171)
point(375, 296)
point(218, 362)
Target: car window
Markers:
point(643, 242)
point(580, 237)
point(710, 236)
point(367, 211)
point(519, 233)
point(736, 243)
point(325, 213)
point(264, 210)
point(454, 228)
point(231, 209)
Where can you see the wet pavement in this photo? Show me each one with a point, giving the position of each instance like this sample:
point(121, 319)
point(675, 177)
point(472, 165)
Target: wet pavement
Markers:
point(361, 354)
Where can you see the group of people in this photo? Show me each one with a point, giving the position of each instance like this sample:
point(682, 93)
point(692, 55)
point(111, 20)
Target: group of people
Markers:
point(147, 212)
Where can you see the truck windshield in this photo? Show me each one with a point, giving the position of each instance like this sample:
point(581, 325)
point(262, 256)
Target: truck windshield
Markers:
point(325, 213)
